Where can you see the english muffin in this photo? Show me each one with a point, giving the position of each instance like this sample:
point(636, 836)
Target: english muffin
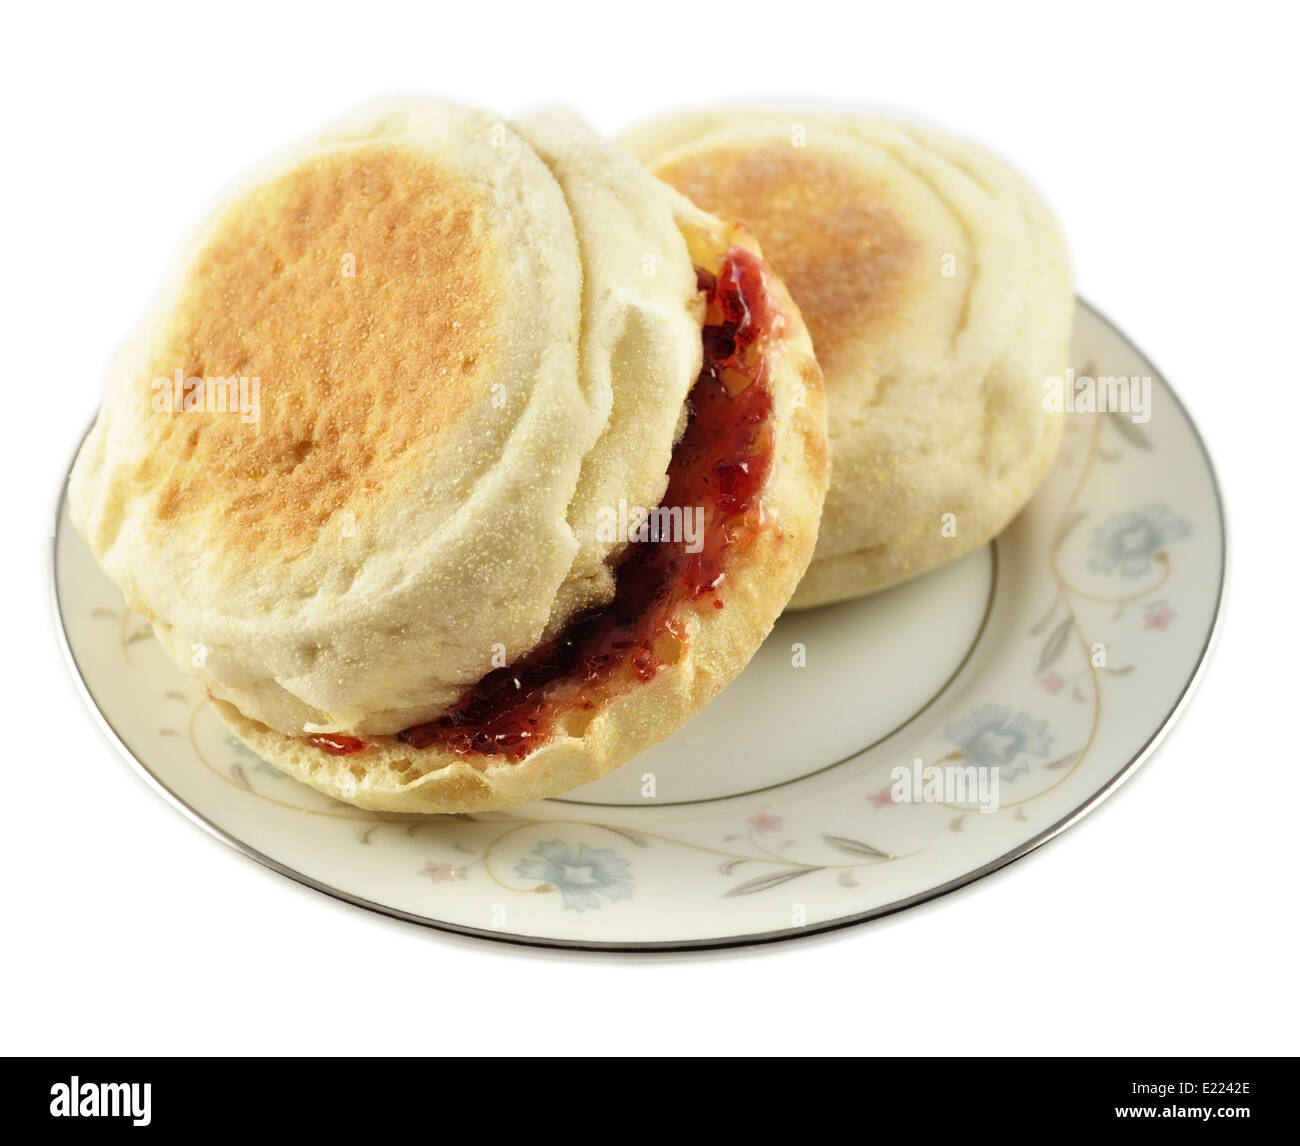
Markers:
point(458, 461)
point(936, 286)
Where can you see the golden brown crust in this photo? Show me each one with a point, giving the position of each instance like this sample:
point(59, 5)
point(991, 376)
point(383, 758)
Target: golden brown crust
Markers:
point(277, 296)
point(827, 229)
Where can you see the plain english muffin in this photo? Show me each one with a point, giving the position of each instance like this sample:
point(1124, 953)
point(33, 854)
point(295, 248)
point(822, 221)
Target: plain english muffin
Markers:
point(936, 286)
point(458, 460)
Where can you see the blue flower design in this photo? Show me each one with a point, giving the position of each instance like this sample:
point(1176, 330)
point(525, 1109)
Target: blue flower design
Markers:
point(1128, 541)
point(993, 738)
point(579, 877)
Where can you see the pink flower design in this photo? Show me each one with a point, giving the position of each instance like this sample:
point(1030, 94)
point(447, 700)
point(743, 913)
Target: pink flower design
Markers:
point(1052, 681)
point(1159, 618)
point(882, 798)
point(438, 872)
point(765, 822)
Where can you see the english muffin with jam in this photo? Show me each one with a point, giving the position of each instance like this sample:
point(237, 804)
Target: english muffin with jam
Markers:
point(459, 460)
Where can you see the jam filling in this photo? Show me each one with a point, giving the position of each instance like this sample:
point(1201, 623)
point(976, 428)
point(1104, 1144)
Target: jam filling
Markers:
point(337, 744)
point(721, 465)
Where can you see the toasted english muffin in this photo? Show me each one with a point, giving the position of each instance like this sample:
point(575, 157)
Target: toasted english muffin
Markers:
point(936, 286)
point(479, 348)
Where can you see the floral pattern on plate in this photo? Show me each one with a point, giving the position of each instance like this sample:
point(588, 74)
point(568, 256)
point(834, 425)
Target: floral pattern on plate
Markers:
point(1103, 598)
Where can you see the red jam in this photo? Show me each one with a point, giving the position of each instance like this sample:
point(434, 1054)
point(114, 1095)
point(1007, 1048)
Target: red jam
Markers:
point(336, 744)
point(720, 464)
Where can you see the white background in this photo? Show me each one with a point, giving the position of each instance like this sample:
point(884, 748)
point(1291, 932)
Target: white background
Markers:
point(1165, 923)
